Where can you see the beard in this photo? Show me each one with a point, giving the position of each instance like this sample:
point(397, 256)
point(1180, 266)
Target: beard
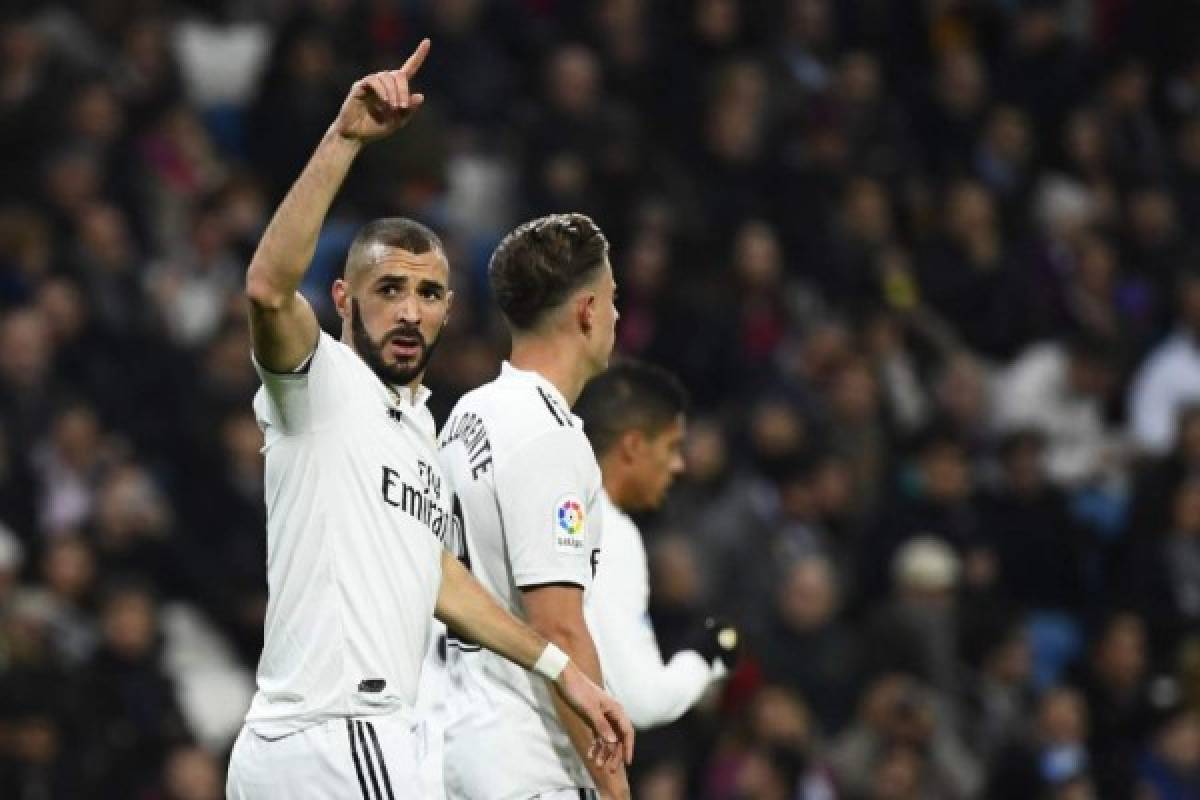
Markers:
point(371, 351)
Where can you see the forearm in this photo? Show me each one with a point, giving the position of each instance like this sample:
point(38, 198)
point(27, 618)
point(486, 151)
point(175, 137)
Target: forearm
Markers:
point(288, 244)
point(612, 784)
point(576, 642)
point(654, 693)
point(468, 610)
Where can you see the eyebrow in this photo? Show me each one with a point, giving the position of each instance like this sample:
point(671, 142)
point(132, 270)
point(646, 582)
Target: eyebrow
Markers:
point(400, 280)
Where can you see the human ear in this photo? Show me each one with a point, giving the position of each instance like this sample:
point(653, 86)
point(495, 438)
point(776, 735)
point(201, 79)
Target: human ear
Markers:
point(631, 445)
point(585, 312)
point(341, 298)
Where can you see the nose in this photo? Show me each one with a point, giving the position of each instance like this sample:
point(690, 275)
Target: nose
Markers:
point(677, 465)
point(408, 310)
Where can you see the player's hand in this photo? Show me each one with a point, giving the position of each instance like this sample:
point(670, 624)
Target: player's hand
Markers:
point(603, 714)
point(720, 643)
point(381, 103)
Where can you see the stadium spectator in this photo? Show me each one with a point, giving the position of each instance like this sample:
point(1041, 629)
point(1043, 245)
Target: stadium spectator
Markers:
point(938, 501)
point(900, 743)
point(1026, 521)
point(1052, 755)
point(126, 708)
point(807, 648)
point(998, 701)
point(1171, 765)
point(1060, 390)
point(917, 633)
point(1116, 684)
point(1169, 378)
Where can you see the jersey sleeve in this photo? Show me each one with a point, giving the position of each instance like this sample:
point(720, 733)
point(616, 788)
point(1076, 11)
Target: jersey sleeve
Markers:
point(547, 494)
point(653, 693)
point(301, 401)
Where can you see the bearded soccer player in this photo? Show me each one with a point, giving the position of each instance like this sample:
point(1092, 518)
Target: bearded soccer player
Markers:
point(530, 492)
point(357, 505)
point(634, 415)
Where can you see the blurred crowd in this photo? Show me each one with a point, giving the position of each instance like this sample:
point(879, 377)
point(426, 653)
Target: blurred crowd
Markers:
point(930, 269)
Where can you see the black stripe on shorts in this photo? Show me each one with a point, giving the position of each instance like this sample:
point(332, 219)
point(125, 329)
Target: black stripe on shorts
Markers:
point(387, 782)
point(367, 757)
point(362, 784)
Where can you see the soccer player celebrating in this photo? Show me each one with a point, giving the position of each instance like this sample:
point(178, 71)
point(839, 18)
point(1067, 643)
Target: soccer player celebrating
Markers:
point(634, 417)
point(530, 491)
point(357, 505)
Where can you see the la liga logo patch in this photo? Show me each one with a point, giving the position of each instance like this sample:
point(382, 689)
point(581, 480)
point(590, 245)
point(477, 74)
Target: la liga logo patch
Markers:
point(570, 523)
point(570, 517)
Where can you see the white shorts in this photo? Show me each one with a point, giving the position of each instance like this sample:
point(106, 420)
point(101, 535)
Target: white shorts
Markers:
point(368, 758)
point(484, 758)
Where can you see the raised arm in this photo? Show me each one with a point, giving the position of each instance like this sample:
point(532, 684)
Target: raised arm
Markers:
point(556, 612)
point(283, 327)
point(468, 610)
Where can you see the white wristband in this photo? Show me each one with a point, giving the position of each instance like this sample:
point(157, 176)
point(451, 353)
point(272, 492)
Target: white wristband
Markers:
point(551, 662)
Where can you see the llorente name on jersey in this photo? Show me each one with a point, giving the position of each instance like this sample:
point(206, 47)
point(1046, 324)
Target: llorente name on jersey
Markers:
point(469, 429)
point(422, 504)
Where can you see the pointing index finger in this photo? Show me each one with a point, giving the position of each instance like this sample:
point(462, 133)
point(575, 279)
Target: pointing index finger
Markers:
point(416, 59)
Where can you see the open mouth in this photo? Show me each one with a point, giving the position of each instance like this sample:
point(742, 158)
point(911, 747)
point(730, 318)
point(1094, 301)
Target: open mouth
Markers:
point(405, 348)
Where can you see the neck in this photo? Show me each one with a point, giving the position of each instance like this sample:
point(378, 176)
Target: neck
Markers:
point(616, 484)
point(562, 366)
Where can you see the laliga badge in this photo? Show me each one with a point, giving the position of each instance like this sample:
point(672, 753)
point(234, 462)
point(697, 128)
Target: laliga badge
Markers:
point(570, 524)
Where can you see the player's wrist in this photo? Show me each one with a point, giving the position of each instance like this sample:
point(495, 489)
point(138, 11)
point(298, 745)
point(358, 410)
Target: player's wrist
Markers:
point(342, 140)
point(552, 663)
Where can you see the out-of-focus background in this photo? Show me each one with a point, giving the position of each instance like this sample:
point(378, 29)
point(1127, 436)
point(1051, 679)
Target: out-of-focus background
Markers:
point(928, 267)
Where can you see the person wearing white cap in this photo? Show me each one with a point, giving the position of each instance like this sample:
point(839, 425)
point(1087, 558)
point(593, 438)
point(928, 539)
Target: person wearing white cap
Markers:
point(916, 632)
point(925, 565)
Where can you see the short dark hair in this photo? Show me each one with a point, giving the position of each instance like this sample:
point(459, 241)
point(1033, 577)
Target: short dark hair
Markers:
point(398, 232)
point(536, 266)
point(630, 395)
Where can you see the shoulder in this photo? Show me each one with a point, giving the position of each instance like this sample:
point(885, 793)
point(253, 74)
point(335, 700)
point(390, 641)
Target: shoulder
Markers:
point(340, 355)
point(483, 401)
point(558, 445)
point(620, 531)
point(328, 360)
point(520, 416)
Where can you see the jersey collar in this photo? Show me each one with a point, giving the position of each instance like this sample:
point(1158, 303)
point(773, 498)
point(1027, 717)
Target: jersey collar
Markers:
point(537, 379)
point(410, 397)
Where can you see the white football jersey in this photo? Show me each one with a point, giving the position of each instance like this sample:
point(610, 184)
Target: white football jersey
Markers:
point(618, 616)
point(529, 489)
point(357, 509)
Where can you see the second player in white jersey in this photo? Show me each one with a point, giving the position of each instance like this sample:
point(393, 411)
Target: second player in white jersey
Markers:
point(530, 493)
point(529, 487)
